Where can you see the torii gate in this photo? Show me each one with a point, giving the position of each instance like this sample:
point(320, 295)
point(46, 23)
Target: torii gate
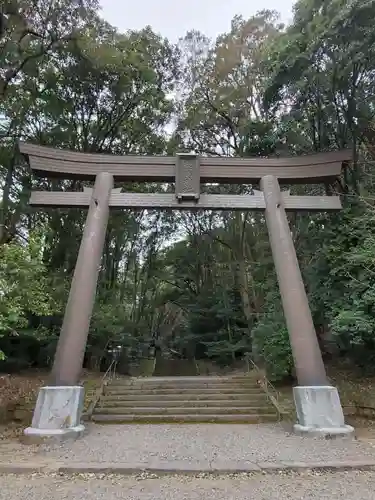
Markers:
point(59, 406)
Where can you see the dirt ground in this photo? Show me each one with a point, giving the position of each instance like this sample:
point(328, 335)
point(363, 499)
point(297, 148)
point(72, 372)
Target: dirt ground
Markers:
point(18, 394)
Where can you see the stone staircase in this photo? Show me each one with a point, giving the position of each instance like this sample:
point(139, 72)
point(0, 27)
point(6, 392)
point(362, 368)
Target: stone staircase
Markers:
point(237, 399)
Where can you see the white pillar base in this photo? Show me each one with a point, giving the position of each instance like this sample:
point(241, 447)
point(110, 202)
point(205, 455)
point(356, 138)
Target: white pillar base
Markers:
point(319, 411)
point(57, 414)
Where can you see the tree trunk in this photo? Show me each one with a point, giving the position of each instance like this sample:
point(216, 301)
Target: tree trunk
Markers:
point(4, 208)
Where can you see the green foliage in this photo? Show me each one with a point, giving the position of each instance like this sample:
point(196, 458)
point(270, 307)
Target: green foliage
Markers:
point(271, 340)
point(23, 284)
point(275, 348)
point(343, 281)
point(195, 284)
point(30, 32)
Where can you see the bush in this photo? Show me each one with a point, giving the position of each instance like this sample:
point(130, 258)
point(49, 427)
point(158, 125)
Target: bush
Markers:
point(273, 346)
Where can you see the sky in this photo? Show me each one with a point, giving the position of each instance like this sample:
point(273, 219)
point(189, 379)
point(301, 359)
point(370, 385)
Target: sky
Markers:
point(173, 18)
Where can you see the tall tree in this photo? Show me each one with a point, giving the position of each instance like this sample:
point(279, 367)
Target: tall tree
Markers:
point(31, 30)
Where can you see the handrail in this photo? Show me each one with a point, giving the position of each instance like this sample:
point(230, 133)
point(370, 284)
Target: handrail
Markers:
point(266, 385)
point(107, 377)
point(111, 371)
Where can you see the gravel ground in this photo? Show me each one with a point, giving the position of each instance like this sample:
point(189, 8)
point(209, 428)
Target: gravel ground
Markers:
point(358, 485)
point(216, 444)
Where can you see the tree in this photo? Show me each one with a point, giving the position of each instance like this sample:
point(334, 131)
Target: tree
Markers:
point(223, 112)
point(31, 30)
point(196, 284)
point(24, 285)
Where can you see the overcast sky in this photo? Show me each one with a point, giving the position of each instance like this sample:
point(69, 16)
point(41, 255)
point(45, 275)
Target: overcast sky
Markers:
point(173, 18)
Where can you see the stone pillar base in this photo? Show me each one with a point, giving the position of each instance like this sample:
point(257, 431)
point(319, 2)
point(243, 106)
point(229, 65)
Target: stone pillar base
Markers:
point(319, 411)
point(57, 414)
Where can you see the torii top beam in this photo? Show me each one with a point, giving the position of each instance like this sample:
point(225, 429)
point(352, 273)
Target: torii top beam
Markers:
point(50, 162)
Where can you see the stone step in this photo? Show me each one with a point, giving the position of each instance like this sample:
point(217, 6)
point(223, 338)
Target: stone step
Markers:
point(185, 400)
point(181, 390)
point(182, 380)
point(176, 410)
point(170, 388)
point(191, 418)
point(186, 396)
point(186, 383)
point(180, 400)
point(195, 378)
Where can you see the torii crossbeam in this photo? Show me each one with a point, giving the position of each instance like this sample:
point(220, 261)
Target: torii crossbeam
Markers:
point(318, 404)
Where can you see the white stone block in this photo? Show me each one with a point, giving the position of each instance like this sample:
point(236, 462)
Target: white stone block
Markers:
point(319, 411)
point(58, 412)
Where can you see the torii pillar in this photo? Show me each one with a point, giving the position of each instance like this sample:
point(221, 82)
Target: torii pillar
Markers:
point(59, 405)
point(318, 405)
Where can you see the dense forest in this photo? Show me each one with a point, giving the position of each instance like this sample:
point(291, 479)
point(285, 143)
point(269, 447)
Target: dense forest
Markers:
point(201, 284)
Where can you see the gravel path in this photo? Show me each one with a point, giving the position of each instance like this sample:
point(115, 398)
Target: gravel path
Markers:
point(358, 485)
point(219, 445)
